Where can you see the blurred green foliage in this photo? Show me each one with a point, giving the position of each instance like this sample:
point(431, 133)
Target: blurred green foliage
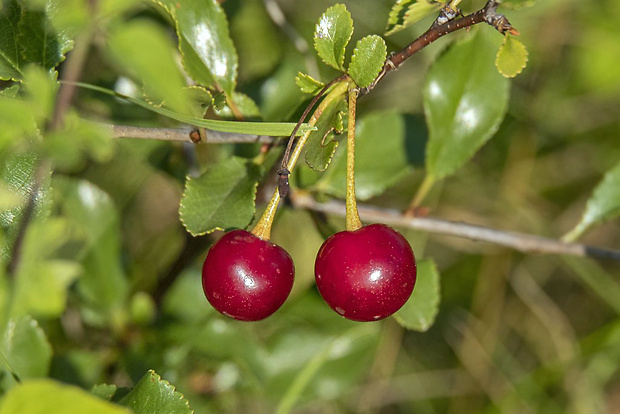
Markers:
point(100, 296)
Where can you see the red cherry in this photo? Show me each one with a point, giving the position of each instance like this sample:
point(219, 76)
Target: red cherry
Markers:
point(367, 274)
point(246, 277)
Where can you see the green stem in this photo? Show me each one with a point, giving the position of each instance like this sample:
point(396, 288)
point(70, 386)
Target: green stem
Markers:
point(263, 227)
point(423, 190)
point(353, 221)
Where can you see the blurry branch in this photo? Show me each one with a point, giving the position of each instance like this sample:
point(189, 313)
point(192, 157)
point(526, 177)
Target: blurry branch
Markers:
point(277, 16)
point(526, 243)
point(185, 135)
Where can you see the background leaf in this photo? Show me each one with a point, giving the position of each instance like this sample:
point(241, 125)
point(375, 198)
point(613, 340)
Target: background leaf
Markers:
point(155, 395)
point(307, 84)
point(464, 101)
point(25, 347)
point(221, 198)
point(407, 12)
point(367, 60)
point(37, 396)
point(209, 55)
point(511, 57)
point(419, 313)
point(380, 157)
point(332, 34)
point(603, 205)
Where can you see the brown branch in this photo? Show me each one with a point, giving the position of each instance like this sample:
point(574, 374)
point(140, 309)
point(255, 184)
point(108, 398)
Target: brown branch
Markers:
point(485, 15)
point(526, 243)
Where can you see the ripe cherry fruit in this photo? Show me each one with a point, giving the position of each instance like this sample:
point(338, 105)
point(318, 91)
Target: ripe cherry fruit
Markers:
point(366, 274)
point(246, 277)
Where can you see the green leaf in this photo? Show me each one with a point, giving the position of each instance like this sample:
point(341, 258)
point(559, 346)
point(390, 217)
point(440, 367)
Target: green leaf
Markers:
point(367, 60)
point(380, 157)
point(320, 146)
point(69, 146)
point(41, 396)
point(603, 205)
point(145, 51)
point(155, 395)
point(26, 349)
point(221, 198)
point(511, 57)
point(104, 391)
point(28, 36)
point(308, 84)
point(332, 34)
point(407, 12)
point(465, 100)
point(209, 55)
point(199, 100)
point(275, 129)
point(419, 313)
point(92, 212)
point(243, 103)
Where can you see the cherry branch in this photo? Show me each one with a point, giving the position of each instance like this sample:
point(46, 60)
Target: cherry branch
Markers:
point(443, 25)
point(522, 242)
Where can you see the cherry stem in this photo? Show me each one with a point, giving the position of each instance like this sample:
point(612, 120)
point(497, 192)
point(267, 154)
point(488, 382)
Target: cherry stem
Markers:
point(263, 227)
point(353, 221)
point(422, 192)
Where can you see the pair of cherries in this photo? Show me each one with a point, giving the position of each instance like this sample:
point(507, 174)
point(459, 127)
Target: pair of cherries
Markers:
point(363, 275)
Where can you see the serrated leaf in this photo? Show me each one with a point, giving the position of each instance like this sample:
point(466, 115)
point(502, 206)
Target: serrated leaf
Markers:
point(407, 12)
point(28, 36)
point(602, 206)
point(276, 129)
point(332, 34)
point(146, 53)
point(26, 349)
point(221, 198)
point(308, 84)
point(152, 394)
point(380, 157)
point(91, 211)
point(199, 100)
point(243, 103)
point(465, 100)
point(367, 60)
point(11, 91)
point(209, 55)
point(320, 146)
point(419, 313)
point(41, 396)
point(511, 57)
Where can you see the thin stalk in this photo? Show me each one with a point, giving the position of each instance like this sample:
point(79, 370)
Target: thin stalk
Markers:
point(263, 227)
point(422, 192)
point(353, 221)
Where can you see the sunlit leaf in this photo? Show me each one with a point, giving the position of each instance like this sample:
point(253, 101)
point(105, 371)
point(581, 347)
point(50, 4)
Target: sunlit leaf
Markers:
point(221, 198)
point(367, 60)
point(603, 205)
point(155, 395)
point(209, 55)
point(39, 396)
point(407, 12)
point(465, 100)
point(419, 313)
point(332, 34)
point(308, 84)
point(511, 57)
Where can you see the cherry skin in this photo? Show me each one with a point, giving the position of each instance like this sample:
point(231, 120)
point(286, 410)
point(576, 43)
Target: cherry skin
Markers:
point(245, 277)
point(366, 274)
